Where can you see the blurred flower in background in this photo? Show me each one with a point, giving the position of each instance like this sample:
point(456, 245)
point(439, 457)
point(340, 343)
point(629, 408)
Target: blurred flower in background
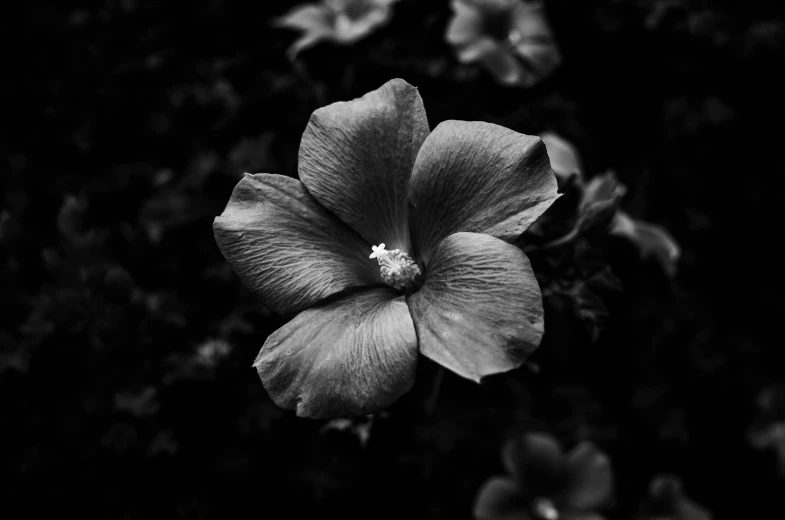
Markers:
point(510, 38)
point(339, 21)
point(543, 483)
point(667, 501)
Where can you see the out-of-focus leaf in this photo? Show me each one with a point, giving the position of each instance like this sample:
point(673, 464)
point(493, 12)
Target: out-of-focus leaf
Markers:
point(339, 21)
point(667, 501)
point(651, 240)
point(600, 201)
point(358, 426)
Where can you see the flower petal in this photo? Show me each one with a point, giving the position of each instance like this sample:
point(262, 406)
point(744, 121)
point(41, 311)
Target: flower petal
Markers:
point(537, 463)
point(505, 69)
point(500, 499)
point(562, 154)
point(478, 177)
point(307, 18)
point(286, 248)
point(356, 158)
point(480, 309)
point(465, 25)
point(591, 477)
point(349, 30)
point(536, 44)
point(349, 357)
point(477, 49)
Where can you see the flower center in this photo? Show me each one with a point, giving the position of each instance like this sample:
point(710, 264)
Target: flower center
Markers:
point(398, 269)
point(544, 508)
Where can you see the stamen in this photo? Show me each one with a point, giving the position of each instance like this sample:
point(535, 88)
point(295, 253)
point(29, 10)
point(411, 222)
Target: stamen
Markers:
point(397, 268)
point(544, 508)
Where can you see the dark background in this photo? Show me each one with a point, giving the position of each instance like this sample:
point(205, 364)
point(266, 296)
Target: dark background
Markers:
point(129, 122)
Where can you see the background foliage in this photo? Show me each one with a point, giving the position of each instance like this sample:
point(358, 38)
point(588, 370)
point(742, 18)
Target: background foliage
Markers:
point(126, 387)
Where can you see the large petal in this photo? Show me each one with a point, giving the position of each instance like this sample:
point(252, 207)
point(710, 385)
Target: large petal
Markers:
point(480, 309)
point(349, 357)
point(286, 248)
point(356, 158)
point(500, 499)
point(537, 463)
point(591, 478)
point(478, 177)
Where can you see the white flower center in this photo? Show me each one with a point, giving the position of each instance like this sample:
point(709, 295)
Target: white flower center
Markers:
point(545, 509)
point(398, 269)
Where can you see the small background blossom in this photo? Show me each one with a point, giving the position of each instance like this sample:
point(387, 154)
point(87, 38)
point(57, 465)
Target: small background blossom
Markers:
point(338, 21)
point(544, 483)
point(509, 38)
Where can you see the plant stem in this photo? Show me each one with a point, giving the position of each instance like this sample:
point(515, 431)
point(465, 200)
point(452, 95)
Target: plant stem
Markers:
point(430, 403)
point(569, 237)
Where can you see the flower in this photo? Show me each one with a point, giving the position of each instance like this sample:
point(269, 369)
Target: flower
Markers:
point(371, 174)
point(510, 38)
point(601, 196)
point(667, 501)
point(543, 483)
point(340, 21)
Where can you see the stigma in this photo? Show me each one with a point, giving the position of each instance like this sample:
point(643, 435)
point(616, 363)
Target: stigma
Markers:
point(397, 268)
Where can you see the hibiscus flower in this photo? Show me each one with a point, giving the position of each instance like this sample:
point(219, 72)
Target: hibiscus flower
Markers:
point(509, 38)
point(543, 483)
point(392, 243)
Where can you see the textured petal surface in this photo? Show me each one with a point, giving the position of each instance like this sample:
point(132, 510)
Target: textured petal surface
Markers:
point(356, 158)
point(591, 478)
point(479, 311)
point(500, 499)
point(349, 357)
point(478, 177)
point(537, 463)
point(287, 249)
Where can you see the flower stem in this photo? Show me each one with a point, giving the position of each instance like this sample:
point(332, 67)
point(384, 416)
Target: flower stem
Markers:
point(565, 239)
point(430, 403)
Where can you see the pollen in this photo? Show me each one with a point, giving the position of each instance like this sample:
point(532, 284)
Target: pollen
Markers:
point(543, 508)
point(397, 268)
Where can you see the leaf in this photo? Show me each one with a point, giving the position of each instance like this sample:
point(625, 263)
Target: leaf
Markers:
point(651, 240)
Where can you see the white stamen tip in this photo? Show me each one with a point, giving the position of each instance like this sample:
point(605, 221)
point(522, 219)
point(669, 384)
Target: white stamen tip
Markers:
point(378, 251)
